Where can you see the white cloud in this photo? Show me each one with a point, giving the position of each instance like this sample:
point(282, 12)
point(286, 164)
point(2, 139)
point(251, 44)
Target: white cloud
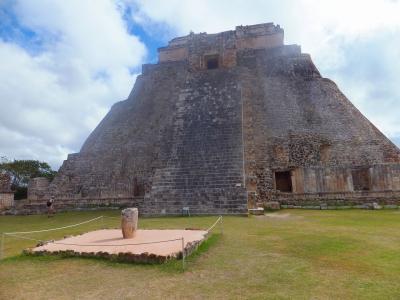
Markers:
point(51, 100)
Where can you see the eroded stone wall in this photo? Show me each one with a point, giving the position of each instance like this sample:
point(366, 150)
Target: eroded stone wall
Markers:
point(120, 157)
point(6, 195)
point(196, 47)
point(38, 189)
point(173, 54)
point(297, 121)
point(5, 183)
point(6, 200)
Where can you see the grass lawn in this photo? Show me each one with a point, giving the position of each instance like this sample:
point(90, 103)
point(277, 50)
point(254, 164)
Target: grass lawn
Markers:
point(291, 254)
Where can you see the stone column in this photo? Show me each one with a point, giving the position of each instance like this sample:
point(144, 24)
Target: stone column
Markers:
point(129, 221)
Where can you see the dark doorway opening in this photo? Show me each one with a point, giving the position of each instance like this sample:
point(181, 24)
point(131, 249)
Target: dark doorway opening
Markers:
point(211, 62)
point(283, 181)
point(361, 180)
point(138, 188)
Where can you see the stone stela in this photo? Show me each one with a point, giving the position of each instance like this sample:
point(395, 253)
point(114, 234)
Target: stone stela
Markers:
point(129, 222)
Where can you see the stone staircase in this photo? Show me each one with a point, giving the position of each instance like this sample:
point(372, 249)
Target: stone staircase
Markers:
point(204, 167)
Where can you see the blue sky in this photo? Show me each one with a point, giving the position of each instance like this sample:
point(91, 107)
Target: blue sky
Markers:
point(64, 63)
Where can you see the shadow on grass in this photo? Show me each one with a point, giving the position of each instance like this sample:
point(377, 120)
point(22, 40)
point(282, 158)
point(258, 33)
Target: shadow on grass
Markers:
point(171, 266)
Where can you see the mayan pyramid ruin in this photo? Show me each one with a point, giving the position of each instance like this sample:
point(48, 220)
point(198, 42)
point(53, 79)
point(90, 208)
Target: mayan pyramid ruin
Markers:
point(225, 122)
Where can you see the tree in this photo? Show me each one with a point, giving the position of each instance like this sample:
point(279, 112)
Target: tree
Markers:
point(20, 171)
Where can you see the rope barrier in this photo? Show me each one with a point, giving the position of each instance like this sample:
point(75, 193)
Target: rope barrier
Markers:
point(22, 237)
point(15, 235)
point(183, 253)
point(53, 229)
point(106, 245)
point(215, 224)
point(119, 218)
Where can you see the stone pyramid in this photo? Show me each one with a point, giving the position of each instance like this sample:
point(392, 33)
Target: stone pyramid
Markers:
point(225, 122)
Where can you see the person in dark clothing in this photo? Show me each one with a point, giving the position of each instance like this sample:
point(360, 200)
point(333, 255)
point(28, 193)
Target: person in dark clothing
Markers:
point(50, 207)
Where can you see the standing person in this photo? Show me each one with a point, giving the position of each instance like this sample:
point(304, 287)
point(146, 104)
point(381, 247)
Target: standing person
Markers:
point(50, 207)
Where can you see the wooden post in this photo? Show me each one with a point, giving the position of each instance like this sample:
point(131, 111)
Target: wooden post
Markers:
point(183, 254)
point(2, 246)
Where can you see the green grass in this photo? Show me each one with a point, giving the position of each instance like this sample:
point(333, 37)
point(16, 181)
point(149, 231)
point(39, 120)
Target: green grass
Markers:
point(295, 254)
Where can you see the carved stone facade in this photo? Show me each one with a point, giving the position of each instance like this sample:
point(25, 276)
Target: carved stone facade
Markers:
point(6, 195)
point(225, 122)
point(38, 189)
point(199, 49)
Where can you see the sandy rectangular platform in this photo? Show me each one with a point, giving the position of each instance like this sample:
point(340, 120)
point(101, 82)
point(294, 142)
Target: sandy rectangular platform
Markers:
point(110, 243)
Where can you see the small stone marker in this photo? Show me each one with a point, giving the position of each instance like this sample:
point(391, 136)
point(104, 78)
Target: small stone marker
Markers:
point(375, 205)
point(129, 221)
point(256, 211)
point(272, 205)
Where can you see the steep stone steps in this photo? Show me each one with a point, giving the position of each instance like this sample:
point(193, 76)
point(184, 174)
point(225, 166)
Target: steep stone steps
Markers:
point(204, 167)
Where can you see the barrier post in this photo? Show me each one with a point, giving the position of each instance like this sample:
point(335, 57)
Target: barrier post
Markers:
point(2, 246)
point(102, 222)
point(222, 226)
point(183, 254)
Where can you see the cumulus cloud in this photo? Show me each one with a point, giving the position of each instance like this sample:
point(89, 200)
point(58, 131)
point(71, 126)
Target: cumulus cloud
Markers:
point(54, 96)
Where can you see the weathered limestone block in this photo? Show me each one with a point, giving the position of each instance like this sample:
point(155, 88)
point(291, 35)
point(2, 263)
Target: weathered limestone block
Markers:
point(272, 205)
point(129, 221)
point(38, 189)
point(375, 205)
point(5, 183)
point(256, 211)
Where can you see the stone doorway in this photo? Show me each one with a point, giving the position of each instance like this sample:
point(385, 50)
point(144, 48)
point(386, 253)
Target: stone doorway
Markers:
point(283, 181)
point(361, 180)
point(211, 61)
